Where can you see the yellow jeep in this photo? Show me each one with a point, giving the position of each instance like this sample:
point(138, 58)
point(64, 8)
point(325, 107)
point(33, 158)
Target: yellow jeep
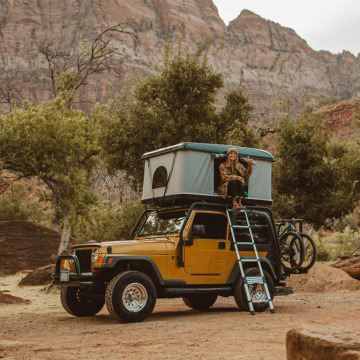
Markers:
point(182, 252)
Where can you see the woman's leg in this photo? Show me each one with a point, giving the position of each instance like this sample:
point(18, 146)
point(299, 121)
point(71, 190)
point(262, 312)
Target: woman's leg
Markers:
point(240, 192)
point(233, 192)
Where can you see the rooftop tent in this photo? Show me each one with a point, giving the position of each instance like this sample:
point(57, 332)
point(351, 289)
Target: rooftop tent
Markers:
point(190, 171)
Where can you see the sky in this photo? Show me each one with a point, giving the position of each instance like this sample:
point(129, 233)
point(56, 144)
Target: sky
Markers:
point(324, 24)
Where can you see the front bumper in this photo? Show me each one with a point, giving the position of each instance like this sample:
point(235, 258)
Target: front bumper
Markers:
point(67, 273)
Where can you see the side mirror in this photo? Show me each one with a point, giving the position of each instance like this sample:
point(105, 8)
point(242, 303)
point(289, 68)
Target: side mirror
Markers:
point(198, 230)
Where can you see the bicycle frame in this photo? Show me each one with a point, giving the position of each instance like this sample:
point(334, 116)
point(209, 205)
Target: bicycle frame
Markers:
point(290, 227)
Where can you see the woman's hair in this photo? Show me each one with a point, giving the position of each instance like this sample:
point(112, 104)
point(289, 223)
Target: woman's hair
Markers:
point(227, 162)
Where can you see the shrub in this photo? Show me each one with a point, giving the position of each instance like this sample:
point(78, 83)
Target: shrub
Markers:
point(346, 243)
point(14, 205)
point(107, 222)
point(337, 245)
point(323, 250)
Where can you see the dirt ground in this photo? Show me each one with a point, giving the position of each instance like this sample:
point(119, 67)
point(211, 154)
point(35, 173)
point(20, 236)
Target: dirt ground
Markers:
point(43, 330)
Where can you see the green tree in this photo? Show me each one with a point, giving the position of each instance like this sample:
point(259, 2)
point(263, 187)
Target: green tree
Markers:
point(106, 222)
point(315, 178)
point(232, 122)
point(13, 205)
point(59, 146)
point(177, 105)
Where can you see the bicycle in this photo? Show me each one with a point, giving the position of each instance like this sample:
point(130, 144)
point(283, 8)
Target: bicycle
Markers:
point(309, 247)
point(291, 246)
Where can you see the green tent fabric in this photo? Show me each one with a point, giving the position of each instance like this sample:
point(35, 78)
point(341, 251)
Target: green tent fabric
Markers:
point(214, 149)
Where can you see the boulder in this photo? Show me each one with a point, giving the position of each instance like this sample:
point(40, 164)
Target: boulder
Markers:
point(40, 276)
point(347, 262)
point(323, 278)
point(350, 266)
point(322, 343)
point(10, 299)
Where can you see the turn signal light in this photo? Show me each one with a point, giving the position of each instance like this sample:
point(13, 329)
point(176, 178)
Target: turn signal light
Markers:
point(99, 259)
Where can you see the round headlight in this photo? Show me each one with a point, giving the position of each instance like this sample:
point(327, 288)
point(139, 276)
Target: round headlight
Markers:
point(94, 255)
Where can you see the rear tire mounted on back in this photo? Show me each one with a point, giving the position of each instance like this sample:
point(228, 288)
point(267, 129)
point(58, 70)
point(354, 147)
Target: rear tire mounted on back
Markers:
point(310, 252)
point(78, 303)
point(257, 291)
point(200, 302)
point(292, 251)
point(130, 296)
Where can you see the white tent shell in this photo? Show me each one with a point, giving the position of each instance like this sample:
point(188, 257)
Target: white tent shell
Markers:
point(190, 172)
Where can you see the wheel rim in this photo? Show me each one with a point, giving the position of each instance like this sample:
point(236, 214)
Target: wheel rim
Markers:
point(80, 297)
point(134, 297)
point(257, 292)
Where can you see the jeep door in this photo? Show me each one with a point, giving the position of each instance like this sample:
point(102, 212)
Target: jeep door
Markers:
point(206, 246)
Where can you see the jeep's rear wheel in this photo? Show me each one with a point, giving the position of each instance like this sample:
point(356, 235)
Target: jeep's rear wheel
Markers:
point(200, 302)
point(130, 296)
point(79, 303)
point(257, 291)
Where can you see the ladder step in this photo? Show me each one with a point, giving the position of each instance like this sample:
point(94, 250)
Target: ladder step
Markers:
point(244, 243)
point(249, 259)
point(254, 280)
point(240, 226)
point(260, 301)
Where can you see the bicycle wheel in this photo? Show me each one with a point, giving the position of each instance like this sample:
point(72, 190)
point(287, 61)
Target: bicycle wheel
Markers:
point(292, 251)
point(310, 252)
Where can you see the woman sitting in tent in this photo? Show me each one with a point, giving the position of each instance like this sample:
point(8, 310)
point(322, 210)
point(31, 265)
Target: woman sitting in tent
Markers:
point(233, 176)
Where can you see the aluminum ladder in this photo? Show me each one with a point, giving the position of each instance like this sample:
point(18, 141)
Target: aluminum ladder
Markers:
point(249, 280)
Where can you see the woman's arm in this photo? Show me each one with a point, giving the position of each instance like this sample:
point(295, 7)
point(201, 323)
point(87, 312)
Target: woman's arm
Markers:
point(250, 168)
point(228, 177)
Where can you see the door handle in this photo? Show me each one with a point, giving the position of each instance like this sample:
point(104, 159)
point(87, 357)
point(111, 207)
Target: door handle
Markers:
point(221, 244)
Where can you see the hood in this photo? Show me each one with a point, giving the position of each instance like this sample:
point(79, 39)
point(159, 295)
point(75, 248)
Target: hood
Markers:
point(154, 246)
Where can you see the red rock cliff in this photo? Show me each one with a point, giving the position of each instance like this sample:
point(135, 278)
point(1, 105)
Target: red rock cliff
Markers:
point(270, 60)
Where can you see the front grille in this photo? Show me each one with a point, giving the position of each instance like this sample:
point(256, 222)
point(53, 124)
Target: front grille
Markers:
point(84, 257)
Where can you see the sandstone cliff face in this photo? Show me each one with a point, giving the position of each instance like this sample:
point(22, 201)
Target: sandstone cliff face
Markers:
point(270, 60)
point(340, 118)
point(273, 60)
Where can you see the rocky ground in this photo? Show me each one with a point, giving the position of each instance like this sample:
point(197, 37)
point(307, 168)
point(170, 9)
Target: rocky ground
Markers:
point(43, 330)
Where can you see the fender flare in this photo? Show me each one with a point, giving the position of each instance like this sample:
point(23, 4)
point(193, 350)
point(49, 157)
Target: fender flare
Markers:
point(119, 258)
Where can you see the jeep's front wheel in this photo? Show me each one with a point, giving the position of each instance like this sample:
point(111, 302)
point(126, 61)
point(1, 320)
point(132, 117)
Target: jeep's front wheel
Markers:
point(79, 303)
point(200, 302)
point(130, 296)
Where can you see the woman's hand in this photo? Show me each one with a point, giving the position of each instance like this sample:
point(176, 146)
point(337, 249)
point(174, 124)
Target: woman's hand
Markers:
point(239, 178)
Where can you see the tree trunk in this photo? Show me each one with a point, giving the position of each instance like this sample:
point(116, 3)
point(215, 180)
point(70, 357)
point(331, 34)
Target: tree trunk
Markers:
point(65, 236)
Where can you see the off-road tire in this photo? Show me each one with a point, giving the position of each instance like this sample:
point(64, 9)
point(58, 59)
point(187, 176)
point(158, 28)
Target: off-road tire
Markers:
point(76, 303)
point(121, 286)
point(200, 302)
point(240, 294)
point(308, 242)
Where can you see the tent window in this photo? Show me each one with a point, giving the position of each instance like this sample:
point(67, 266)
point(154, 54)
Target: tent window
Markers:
point(160, 177)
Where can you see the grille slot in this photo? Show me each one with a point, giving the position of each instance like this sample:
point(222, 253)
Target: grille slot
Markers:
point(84, 257)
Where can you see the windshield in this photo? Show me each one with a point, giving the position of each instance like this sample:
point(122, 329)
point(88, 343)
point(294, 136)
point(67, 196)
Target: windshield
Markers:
point(163, 223)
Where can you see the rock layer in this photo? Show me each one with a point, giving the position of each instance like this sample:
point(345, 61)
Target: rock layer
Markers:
point(270, 60)
point(26, 246)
